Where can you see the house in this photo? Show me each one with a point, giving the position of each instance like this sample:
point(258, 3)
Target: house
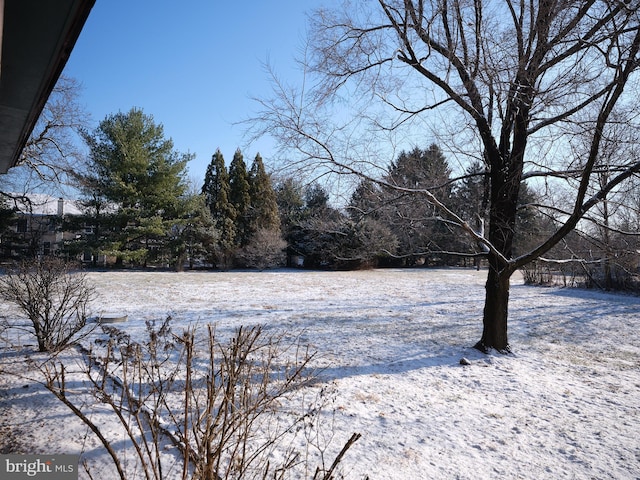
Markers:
point(37, 227)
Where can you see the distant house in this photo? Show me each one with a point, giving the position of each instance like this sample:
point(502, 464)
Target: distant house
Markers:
point(36, 229)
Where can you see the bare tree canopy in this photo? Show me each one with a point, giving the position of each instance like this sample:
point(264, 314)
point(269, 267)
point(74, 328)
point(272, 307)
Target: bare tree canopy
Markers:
point(52, 150)
point(52, 154)
point(534, 90)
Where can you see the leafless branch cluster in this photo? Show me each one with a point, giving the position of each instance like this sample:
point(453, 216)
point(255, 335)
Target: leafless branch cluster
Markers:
point(231, 409)
point(51, 153)
point(53, 298)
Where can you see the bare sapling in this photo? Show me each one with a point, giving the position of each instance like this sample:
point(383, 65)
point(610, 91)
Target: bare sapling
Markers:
point(236, 419)
point(52, 297)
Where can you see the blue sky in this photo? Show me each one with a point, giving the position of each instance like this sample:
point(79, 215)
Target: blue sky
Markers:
point(193, 65)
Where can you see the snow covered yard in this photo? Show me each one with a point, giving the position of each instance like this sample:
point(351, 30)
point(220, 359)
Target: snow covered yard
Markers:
point(566, 404)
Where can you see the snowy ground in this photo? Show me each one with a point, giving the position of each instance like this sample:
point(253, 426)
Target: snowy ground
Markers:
point(566, 404)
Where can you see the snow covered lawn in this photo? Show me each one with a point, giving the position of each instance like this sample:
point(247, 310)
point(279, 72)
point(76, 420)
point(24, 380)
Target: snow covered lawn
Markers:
point(566, 404)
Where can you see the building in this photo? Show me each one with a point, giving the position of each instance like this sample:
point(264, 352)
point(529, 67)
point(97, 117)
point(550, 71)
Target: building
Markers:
point(37, 227)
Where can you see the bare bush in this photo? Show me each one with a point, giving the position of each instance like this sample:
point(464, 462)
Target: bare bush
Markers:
point(54, 299)
point(266, 250)
point(232, 410)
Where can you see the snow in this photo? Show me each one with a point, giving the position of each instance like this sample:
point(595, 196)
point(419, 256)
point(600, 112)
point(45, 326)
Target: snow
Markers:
point(43, 204)
point(566, 404)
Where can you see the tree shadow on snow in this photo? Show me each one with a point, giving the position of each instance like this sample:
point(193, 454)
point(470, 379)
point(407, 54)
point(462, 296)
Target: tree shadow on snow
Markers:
point(575, 316)
point(449, 358)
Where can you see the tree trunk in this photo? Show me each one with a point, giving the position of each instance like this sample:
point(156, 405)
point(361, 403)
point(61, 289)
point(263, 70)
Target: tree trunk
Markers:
point(506, 174)
point(496, 308)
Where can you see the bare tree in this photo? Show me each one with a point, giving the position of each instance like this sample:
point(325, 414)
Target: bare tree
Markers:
point(511, 84)
point(605, 233)
point(265, 250)
point(51, 155)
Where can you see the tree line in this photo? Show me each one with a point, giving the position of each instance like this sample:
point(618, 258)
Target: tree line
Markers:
point(143, 212)
point(139, 210)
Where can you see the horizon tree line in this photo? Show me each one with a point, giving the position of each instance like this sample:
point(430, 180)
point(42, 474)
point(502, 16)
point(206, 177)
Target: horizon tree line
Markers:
point(141, 211)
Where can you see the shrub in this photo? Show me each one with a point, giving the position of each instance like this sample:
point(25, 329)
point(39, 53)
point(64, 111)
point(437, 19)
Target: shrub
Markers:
point(266, 250)
point(234, 409)
point(54, 299)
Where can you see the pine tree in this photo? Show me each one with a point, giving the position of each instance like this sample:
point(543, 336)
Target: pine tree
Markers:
point(290, 200)
point(421, 169)
point(472, 194)
point(240, 198)
point(216, 190)
point(366, 201)
point(135, 167)
point(264, 207)
point(195, 236)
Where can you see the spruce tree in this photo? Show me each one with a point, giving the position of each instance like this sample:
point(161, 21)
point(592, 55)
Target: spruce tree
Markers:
point(366, 201)
point(240, 198)
point(196, 236)
point(216, 190)
point(290, 200)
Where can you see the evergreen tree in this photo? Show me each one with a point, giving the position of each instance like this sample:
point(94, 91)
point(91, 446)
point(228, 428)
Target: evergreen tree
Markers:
point(264, 244)
point(240, 198)
point(194, 236)
point(471, 200)
point(134, 167)
point(290, 200)
point(316, 203)
point(315, 234)
point(7, 219)
point(216, 191)
point(472, 195)
point(366, 201)
point(532, 225)
point(377, 243)
point(417, 225)
point(98, 220)
point(420, 169)
point(264, 206)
